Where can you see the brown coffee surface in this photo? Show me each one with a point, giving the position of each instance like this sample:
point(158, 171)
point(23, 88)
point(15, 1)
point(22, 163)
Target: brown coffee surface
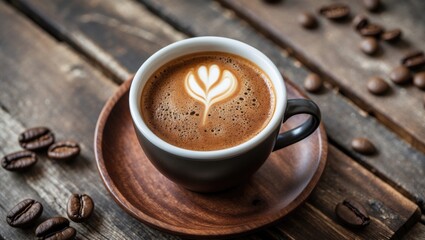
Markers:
point(208, 101)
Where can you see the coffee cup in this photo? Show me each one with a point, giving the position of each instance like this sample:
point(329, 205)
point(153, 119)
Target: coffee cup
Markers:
point(218, 169)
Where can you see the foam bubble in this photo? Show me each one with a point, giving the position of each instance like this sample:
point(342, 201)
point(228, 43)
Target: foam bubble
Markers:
point(176, 117)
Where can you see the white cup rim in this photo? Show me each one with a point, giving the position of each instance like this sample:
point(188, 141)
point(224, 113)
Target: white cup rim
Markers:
point(203, 44)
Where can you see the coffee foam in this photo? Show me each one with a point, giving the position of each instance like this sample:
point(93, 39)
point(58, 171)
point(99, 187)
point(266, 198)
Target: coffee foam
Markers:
point(210, 85)
point(208, 101)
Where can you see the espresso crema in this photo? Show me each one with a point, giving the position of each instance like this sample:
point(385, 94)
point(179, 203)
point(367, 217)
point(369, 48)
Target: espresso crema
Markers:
point(208, 101)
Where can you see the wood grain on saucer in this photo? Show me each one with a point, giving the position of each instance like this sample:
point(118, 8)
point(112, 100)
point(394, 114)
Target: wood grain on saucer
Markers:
point(281, 184)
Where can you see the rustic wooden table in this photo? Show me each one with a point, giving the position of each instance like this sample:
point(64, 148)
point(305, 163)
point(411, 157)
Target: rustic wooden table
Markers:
point(60, 61)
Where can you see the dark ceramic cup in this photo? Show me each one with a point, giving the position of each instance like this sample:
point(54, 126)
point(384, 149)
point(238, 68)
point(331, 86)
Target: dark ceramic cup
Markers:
point(209, 171)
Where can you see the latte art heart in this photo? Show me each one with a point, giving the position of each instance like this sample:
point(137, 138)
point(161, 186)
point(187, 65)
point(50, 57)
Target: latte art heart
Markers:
point(210, 85)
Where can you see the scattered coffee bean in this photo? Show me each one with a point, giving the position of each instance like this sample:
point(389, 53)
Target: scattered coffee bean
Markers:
point(377, 86)
point(80, 207)
point(414, 60)
point(372, 5)
point(63, 150)
point(307, 20)
point(36, 138)
point(400, 75)
point(24, 214)
point(18, 161)
point(313, 83)
point(352, 213)
point(391, 35)
point(336, 11)
point(419, 80)
point(371, 30)
point(55, 228)
point(363, 145)
point(369, 45)
point(360, 22)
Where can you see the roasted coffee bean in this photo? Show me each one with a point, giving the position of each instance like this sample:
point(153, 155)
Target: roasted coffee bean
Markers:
point(371, 30)
point(55, 228)
point(352, 213)
point(391, 35)
point(36, 138)
point(400, 75)
point(18, 161)
point(307, 20)
point(313, 83)
point(377, 86)
point(24, 214)
point(336, 11)
point(63, 150)
point(369, 45)
point(80, 207)
point(363, 145)
point(360, 22)
point(419, 80)
point(372, 5)
point(414, 60)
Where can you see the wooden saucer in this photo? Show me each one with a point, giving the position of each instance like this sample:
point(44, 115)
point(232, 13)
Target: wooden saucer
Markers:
point(279, 186)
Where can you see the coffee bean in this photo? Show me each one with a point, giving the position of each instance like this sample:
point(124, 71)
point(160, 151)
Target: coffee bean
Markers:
point(377, 86)
point(336, 11)
point(369, 45)
point(372, 5)
point(400, 75)
point(391, 35)
point(37, 138)
point(360, 22)
point(307, 20)
point(63, 150)
point(55, 228)
point(19, 161)
point(313, 83)
point(80, 207)
point(352, 213)
point(414, 60)
point(419, 80)
point(371, 30)
point(363, 145)
point(24, 214)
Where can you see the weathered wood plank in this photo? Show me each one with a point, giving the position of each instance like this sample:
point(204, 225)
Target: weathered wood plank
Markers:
point(14, 187)
point(380, 201)
point(402, 110)
point(107, 31)
point(343, 120)
point(44, 83)
point(417, 232)
point(345, 179)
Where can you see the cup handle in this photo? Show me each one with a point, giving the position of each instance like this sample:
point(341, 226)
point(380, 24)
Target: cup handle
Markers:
point(294, 107)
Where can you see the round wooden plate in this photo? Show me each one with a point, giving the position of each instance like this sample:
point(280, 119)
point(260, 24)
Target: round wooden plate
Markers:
point(280, 185)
